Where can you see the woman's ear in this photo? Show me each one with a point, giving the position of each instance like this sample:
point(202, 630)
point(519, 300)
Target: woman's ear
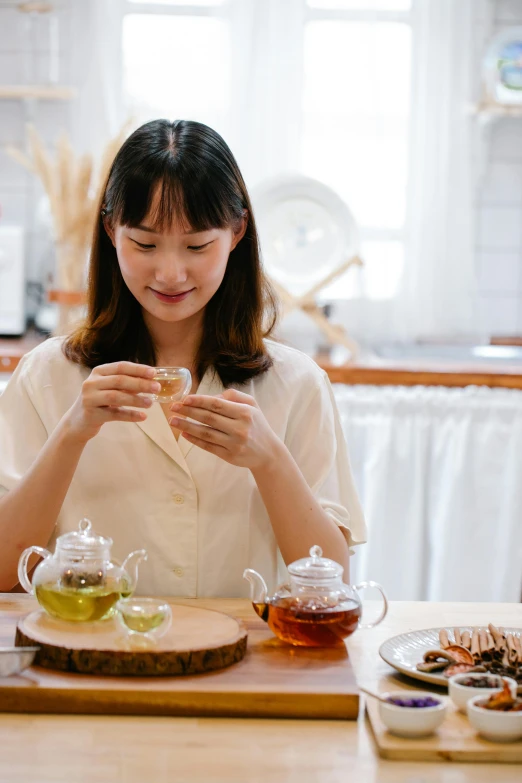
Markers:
point(239, 233)
point(107, 224)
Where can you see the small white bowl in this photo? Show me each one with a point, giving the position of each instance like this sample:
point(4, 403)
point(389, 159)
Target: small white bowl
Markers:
point(14, 660)
point(411, 721)
point(461, 694)
point(494, 725)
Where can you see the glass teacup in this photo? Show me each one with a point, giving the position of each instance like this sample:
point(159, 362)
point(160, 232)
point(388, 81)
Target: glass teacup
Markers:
point(144, 619)
point(176, 383)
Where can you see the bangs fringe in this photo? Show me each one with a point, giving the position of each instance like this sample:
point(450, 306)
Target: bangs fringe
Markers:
point(187, 197)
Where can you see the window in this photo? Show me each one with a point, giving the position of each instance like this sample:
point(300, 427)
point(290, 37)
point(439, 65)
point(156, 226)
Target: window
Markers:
point(180, 59)
point(355, 127)
point(166, 52)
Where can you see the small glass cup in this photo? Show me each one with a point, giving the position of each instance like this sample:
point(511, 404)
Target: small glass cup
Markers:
point(144, 619)
point(176, 382)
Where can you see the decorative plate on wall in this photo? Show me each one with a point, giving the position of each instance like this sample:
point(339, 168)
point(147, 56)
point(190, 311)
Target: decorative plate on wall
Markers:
point(503, 67)
point(306, 230)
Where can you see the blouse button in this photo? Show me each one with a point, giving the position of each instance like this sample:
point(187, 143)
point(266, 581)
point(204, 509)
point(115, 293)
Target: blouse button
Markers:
point(178, 500)
point(178, 571)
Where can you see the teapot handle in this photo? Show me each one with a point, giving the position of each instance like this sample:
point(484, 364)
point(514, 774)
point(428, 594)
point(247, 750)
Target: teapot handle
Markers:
point(22, 566)
point(363, 586)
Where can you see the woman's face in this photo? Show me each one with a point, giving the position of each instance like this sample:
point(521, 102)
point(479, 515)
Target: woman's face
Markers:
point(175, 273)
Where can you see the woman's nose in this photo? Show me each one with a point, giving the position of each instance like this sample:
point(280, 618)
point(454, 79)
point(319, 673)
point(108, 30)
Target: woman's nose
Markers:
point(171, 270)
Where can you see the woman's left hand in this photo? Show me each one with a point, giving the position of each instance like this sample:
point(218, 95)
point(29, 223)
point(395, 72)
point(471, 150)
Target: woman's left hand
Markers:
point(231, 426)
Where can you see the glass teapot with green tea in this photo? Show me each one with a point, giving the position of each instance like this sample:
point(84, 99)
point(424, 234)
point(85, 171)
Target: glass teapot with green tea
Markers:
point(80, 582)
point(317, 609)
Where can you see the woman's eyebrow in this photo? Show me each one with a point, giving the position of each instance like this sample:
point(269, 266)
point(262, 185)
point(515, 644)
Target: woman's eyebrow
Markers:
point(146, 228)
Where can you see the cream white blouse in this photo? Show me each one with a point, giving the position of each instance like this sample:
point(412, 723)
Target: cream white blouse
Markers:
point(201, 520)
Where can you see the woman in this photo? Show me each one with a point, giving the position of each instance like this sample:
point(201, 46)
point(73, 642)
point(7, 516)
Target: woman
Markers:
point(251, 466)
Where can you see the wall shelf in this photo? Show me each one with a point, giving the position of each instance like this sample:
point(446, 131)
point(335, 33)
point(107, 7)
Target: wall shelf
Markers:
point(489, 110)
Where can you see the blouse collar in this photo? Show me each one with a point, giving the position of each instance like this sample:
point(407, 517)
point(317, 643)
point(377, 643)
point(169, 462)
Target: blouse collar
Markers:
point(157, 428)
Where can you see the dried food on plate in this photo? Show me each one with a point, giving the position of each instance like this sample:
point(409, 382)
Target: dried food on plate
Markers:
point(481, 650)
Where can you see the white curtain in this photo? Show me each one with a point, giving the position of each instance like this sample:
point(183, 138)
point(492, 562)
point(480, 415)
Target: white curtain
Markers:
point(438, 282)
point(265, 113)
point(96, 71)
point(439, 473)
point(436, 295)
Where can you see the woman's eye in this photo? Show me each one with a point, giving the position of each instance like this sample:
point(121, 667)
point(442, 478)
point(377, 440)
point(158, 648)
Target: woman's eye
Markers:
point(144, 247)
point(199, 247)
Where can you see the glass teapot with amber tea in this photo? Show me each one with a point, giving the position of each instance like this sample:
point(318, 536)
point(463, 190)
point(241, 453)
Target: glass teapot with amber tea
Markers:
point(317, 609)
point(80, 582)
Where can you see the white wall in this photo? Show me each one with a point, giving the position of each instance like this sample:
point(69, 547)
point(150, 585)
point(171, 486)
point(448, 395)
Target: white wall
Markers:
point(499, 206)
point(25, 59)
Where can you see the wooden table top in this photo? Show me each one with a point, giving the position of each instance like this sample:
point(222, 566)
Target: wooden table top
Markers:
point(51, 748)
point(375, 372)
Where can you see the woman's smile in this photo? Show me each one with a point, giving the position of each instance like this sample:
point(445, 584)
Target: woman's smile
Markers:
point(171, 298)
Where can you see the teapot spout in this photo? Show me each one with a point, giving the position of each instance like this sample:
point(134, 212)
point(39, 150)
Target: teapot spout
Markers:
point(258, 592)
point(130, 566)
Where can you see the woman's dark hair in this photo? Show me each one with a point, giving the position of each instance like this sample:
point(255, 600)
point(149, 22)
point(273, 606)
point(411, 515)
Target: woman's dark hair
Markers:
point(201, 184)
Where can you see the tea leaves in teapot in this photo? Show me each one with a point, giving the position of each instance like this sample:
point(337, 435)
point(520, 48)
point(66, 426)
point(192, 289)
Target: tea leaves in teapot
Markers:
point(77, 605)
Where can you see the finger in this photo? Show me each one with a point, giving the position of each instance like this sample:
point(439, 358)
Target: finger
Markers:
point(215, 420)
point(222, 407)
point(200, 431)
point(126, 368)
point(212, 448)
point(238, 396)
point(124, 414)
point(126, 383)
point(116, 399)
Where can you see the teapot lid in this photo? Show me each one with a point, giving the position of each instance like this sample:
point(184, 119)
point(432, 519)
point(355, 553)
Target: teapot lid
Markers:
point(316, 566)
point(85, 542)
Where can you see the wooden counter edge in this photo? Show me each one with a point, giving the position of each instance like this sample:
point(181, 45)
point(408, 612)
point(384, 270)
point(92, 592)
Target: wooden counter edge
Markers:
point(391, 376)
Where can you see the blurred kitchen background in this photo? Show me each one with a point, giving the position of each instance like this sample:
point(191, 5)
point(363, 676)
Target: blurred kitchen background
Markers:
point(381, 139)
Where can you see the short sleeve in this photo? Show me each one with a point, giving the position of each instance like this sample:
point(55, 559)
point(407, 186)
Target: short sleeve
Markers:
point(22, 433)
point(316, 441)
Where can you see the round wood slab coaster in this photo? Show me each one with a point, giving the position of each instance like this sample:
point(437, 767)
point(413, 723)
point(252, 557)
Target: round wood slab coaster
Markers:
point(199, 640)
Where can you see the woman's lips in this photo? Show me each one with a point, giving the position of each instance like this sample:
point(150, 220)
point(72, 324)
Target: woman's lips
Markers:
point(171, 298)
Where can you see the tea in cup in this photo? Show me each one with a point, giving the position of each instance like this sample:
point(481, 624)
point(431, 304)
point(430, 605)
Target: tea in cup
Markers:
point(175, 382)
point(145, 620)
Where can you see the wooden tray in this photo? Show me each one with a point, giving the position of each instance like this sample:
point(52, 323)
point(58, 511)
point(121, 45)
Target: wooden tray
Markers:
point(455, 740)
point(197, 641)
point(272, 680)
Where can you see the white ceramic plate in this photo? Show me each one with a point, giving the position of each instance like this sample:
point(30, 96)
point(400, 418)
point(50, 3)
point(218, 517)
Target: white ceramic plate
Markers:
point(406, 650)
point(306, 230)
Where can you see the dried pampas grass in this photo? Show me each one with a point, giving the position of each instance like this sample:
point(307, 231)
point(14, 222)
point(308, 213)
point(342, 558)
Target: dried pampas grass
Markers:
point(73, 185)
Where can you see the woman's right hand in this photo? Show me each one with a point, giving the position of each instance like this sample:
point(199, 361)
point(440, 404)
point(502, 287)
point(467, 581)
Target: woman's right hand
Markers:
point(104, 394)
